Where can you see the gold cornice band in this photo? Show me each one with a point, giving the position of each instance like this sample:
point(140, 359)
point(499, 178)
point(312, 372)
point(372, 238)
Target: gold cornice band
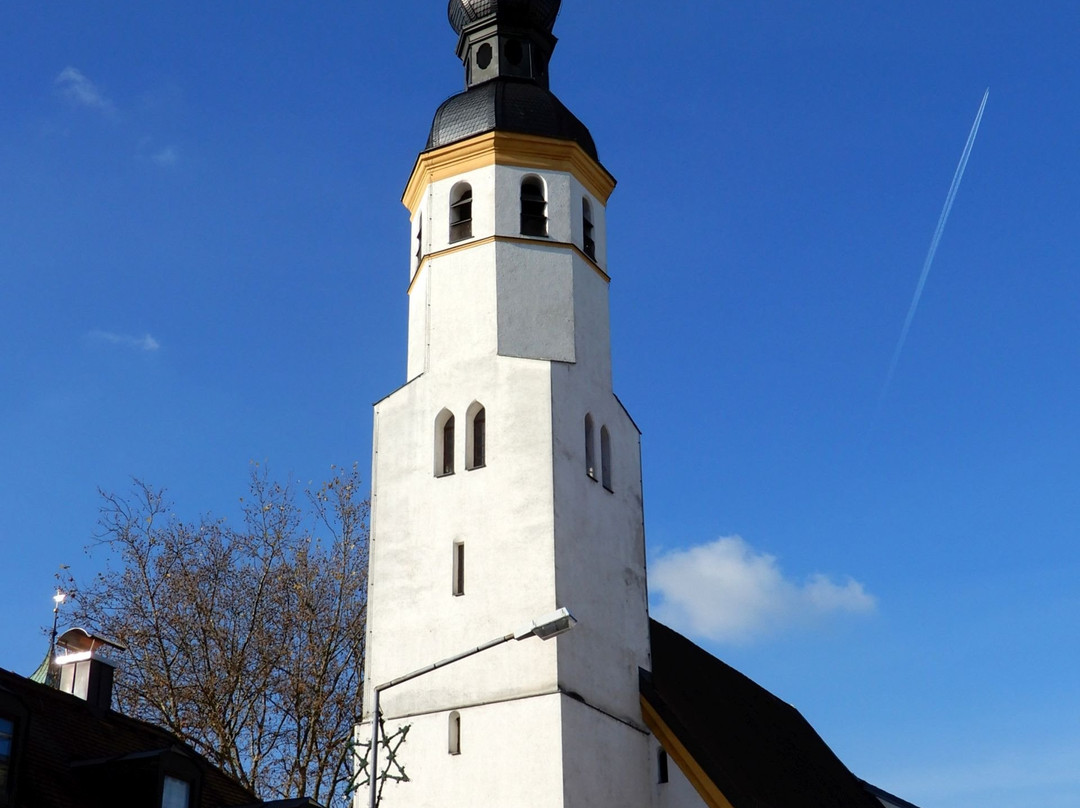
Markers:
point(701, 782)
point(506, 149)
point(538, 242)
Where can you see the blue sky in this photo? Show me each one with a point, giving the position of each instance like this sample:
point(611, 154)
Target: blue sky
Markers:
point(203, 262)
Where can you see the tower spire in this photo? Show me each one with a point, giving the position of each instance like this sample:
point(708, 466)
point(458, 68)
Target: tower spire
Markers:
point(505, 46)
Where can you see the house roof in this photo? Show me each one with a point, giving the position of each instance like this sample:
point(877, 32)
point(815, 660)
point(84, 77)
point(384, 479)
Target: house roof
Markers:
point(63, 744)
point(740, 745)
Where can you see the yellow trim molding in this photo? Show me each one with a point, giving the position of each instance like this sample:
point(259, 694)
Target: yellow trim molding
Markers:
point(701, 782)
point(562, 245)
point(506, 149)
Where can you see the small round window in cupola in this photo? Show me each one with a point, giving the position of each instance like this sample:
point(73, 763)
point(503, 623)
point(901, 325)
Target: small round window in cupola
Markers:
point(483, 56)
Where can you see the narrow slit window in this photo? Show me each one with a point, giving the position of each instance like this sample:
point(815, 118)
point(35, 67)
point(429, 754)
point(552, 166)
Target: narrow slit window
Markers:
point(419, 240)
point(444, 443)
point(661, 766)
point(590, 450)
point(588, 231)
point(477, 442)
point(461, 212)
point(605, 457)
point(459, 569)
point(453, 745)
point(533, 208)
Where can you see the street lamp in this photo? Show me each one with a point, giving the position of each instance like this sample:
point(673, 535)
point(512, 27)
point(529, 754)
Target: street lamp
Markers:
point(546, 627)
point(58, 598)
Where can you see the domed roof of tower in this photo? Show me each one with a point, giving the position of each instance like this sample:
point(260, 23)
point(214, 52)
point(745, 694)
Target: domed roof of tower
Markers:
point(507, 106)
point(537, 14)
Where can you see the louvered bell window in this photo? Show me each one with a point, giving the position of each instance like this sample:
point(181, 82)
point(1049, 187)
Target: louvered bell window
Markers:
point(461, 212)
point(533, 208)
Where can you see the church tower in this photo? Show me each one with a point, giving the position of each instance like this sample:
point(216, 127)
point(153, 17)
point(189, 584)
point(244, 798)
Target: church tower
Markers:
point(506, 474)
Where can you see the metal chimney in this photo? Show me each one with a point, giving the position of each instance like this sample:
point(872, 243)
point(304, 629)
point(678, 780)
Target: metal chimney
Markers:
point(86, 666)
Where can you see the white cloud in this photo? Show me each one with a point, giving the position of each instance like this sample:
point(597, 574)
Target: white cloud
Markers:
point(166, 157)
point(143, 343)
point(78, 89)
point(727, 591)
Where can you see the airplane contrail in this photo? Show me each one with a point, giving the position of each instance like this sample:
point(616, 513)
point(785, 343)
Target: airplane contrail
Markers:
point(949, 199)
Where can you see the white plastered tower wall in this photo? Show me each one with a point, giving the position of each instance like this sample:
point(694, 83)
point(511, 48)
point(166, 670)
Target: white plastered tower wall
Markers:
point(520, 326)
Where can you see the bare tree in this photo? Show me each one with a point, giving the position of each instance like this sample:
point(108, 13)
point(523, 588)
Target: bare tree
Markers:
point(246, 642)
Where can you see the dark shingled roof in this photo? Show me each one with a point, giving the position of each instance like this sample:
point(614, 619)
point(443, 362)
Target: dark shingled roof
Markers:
point(69, 755)
point(509, 106)
point(758, 750)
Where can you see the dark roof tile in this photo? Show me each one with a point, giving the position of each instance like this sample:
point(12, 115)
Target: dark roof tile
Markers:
point(507, 105)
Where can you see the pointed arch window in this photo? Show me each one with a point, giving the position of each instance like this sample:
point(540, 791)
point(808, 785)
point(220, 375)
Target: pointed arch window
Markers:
point(476, 438)
point(444, 443)
point(453, 745)
point(605, 457)
point(587, 229)
point(533, 207)
point(461, 198)
point(590, 447)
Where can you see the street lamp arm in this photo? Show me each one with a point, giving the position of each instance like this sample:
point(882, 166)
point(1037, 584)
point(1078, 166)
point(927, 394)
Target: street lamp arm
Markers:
point(444, 662)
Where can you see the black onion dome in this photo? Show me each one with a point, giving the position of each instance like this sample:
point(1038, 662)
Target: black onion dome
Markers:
point(534, 14)
point(508, 106)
